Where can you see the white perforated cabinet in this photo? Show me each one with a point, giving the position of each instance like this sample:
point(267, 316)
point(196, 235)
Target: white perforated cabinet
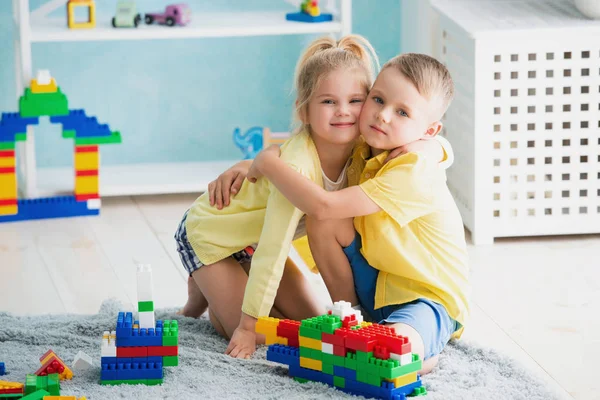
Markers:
point(525, 121)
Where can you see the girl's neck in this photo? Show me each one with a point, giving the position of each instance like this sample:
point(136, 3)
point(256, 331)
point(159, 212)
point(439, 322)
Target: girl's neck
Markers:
point(333, 157)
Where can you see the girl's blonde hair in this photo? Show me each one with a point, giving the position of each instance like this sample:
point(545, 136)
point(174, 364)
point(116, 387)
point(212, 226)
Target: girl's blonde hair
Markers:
point(325, 55)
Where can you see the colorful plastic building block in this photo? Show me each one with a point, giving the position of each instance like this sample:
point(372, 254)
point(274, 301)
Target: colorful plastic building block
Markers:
point(82, 362)
point(49, 383)
point(37, 395)
point(52, 207)
point(126, 16)
point(174, 14)
point(11, 389)
point(91, 8)
point(343, 351)
point(137, 351)
point(51, 364)
point(2, 369)
point(309, 12)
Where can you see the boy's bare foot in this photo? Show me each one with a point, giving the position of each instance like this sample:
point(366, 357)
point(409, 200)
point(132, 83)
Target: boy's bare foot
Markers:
point(196, 304)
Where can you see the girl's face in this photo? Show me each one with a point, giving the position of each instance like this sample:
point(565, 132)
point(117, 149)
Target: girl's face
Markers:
point(335, 106)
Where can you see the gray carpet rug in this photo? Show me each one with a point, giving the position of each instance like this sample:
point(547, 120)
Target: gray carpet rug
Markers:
point(204, 372)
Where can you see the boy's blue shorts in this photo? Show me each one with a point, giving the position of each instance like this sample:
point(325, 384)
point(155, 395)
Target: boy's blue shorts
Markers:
point(428, 318)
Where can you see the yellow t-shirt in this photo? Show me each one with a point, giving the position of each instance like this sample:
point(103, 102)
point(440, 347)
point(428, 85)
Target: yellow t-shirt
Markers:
point(417, 240)
point(216, 234)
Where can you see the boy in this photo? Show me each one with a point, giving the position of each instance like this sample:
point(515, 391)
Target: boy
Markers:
point(407, 225)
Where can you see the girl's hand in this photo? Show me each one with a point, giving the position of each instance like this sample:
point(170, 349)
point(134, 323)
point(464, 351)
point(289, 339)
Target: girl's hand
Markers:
point(228, 183)
point(428, 147)
point(255, 169)
point(242, 344)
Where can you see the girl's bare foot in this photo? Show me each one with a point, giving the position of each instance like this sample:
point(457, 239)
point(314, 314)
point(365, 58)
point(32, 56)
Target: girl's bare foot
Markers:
point(196, 304)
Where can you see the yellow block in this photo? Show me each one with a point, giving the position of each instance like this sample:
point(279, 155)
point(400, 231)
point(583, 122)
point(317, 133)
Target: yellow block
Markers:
point(86, 184)
point(403, 380)
point(365, 324)
point(7, 161)
point(66, 374)
point(267, 326)
point(274, 339)
point(310, 343)
point(87, 161)
point(10, 385)
point(8, 186)
point(9, 210)
point(90, 23)
point(52, 87)
point(63, 398)
point(309, 363)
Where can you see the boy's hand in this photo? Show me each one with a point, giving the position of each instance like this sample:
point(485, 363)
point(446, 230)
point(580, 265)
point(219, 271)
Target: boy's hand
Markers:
point(428, 147)
point(255, 169)
point(242, 343)
point(228, 183)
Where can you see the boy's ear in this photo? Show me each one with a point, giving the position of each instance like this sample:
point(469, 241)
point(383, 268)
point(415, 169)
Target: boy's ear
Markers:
point(433, 130)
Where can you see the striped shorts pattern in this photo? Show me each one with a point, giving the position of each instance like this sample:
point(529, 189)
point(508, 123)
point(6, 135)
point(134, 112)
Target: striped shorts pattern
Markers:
point(190, 260)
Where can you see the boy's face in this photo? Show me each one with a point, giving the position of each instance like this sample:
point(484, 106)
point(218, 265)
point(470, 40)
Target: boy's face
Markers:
point(395, 113)
point(334, 108)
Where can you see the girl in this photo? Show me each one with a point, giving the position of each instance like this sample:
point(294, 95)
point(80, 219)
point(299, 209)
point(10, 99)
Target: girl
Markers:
point(332, 80)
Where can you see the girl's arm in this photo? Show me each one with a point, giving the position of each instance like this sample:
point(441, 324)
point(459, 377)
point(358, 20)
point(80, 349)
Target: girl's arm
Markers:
point(306, 195)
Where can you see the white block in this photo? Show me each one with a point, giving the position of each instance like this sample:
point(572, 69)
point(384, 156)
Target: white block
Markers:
point(327, 348)
point(404, 359)
point(109, 344)
point(144, 283)
point(341, 308)
point(94, 204)
point(43, 77)
point(146, 319)
point(82, 361)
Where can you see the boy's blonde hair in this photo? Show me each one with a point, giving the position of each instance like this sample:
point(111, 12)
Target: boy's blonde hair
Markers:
point(430, 77)
point(325, 55)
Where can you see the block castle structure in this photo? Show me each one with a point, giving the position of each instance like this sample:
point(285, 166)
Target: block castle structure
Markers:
point(138, 350)
point(45, 98)
point(342, 350)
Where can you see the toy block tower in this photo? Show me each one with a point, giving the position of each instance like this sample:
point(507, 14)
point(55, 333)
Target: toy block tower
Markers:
point(342, 350)
point(137, 350)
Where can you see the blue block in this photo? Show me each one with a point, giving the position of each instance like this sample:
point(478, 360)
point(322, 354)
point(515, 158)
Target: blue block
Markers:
point(83, 125)
point(108, 360)
point(304, 17)
point(13, 123)
point(346, 373)
point(124, 325)
point(125, 360)
point(316, 376)
point(2, 369)
point(138, 360)
point(283, 354)
point(403, 390)
point(139, 371)
point(49, 207)
point(108, 372)
point(135, 337)
point(155, 359)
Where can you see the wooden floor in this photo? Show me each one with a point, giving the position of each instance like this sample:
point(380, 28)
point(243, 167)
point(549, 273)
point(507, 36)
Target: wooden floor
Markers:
point(537, 300)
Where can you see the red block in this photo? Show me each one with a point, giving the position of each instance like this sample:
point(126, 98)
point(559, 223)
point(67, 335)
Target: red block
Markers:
point(7, 170)
point(162, 351)
point(10, 202)
point(361, 341)
point(52, 366)
point(86, 149)
point(335, 340)
point(349, 321)
point(289, 329)
point(7, 153)
point(381, 352)
point(86, 197)
point(87, 172)
point(399, 345)
point(12, 391)
point(141, 351)
point(339, 351)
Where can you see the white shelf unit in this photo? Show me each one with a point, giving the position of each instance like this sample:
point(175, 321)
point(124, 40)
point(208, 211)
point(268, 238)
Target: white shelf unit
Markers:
point(34, 26)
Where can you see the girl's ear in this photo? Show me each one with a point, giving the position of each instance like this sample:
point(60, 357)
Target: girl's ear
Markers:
point(433, 130)
point(302, 114)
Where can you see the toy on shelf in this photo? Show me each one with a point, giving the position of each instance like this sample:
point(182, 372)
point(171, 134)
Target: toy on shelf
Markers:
point(127, 15)
point(82, 362)
point(256, 138)
point(52, 364)
point(44, 98)
point(137, 351)
point(309, 12)
point(174, 14)
point(342, 350)
point(91, 8)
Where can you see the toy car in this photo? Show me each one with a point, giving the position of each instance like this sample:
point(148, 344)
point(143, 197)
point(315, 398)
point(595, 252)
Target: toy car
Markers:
point(126, 16)
point(175, 14)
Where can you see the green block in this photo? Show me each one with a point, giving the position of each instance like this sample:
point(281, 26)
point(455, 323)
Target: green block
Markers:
point(115, 137)
point(125, 382)
point(301, 380)
point(146, 306)
point(350, 361)
point(328, 358)
point(305, 352)
point(15, 396)
point(68, 134)
point(30, 384)
point(152, 382)
point(391, 369)
point(20, 137)
point(374, 380)
point(361, 356)
point(53, 384)
point(327, 368)
point(310, 332)
point(374, 366)
point(41, 104)
point(362, 376)
point(339, 361)
point(170, 333)
point(338, 381)
point(170, 361)
point(355, 327)
point(420, 391)
point(7, 145)
point(316, 354)
point(330, 323)
point(38, 395)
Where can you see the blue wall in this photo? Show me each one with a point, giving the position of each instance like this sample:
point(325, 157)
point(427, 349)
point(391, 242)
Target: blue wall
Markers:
point(179, 99)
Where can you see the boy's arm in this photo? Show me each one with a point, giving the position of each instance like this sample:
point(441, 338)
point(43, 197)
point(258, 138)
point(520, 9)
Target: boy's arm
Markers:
point(309, 197)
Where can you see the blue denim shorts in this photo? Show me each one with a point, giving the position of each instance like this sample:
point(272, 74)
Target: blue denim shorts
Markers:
point(188, 257)
point(428, 318)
